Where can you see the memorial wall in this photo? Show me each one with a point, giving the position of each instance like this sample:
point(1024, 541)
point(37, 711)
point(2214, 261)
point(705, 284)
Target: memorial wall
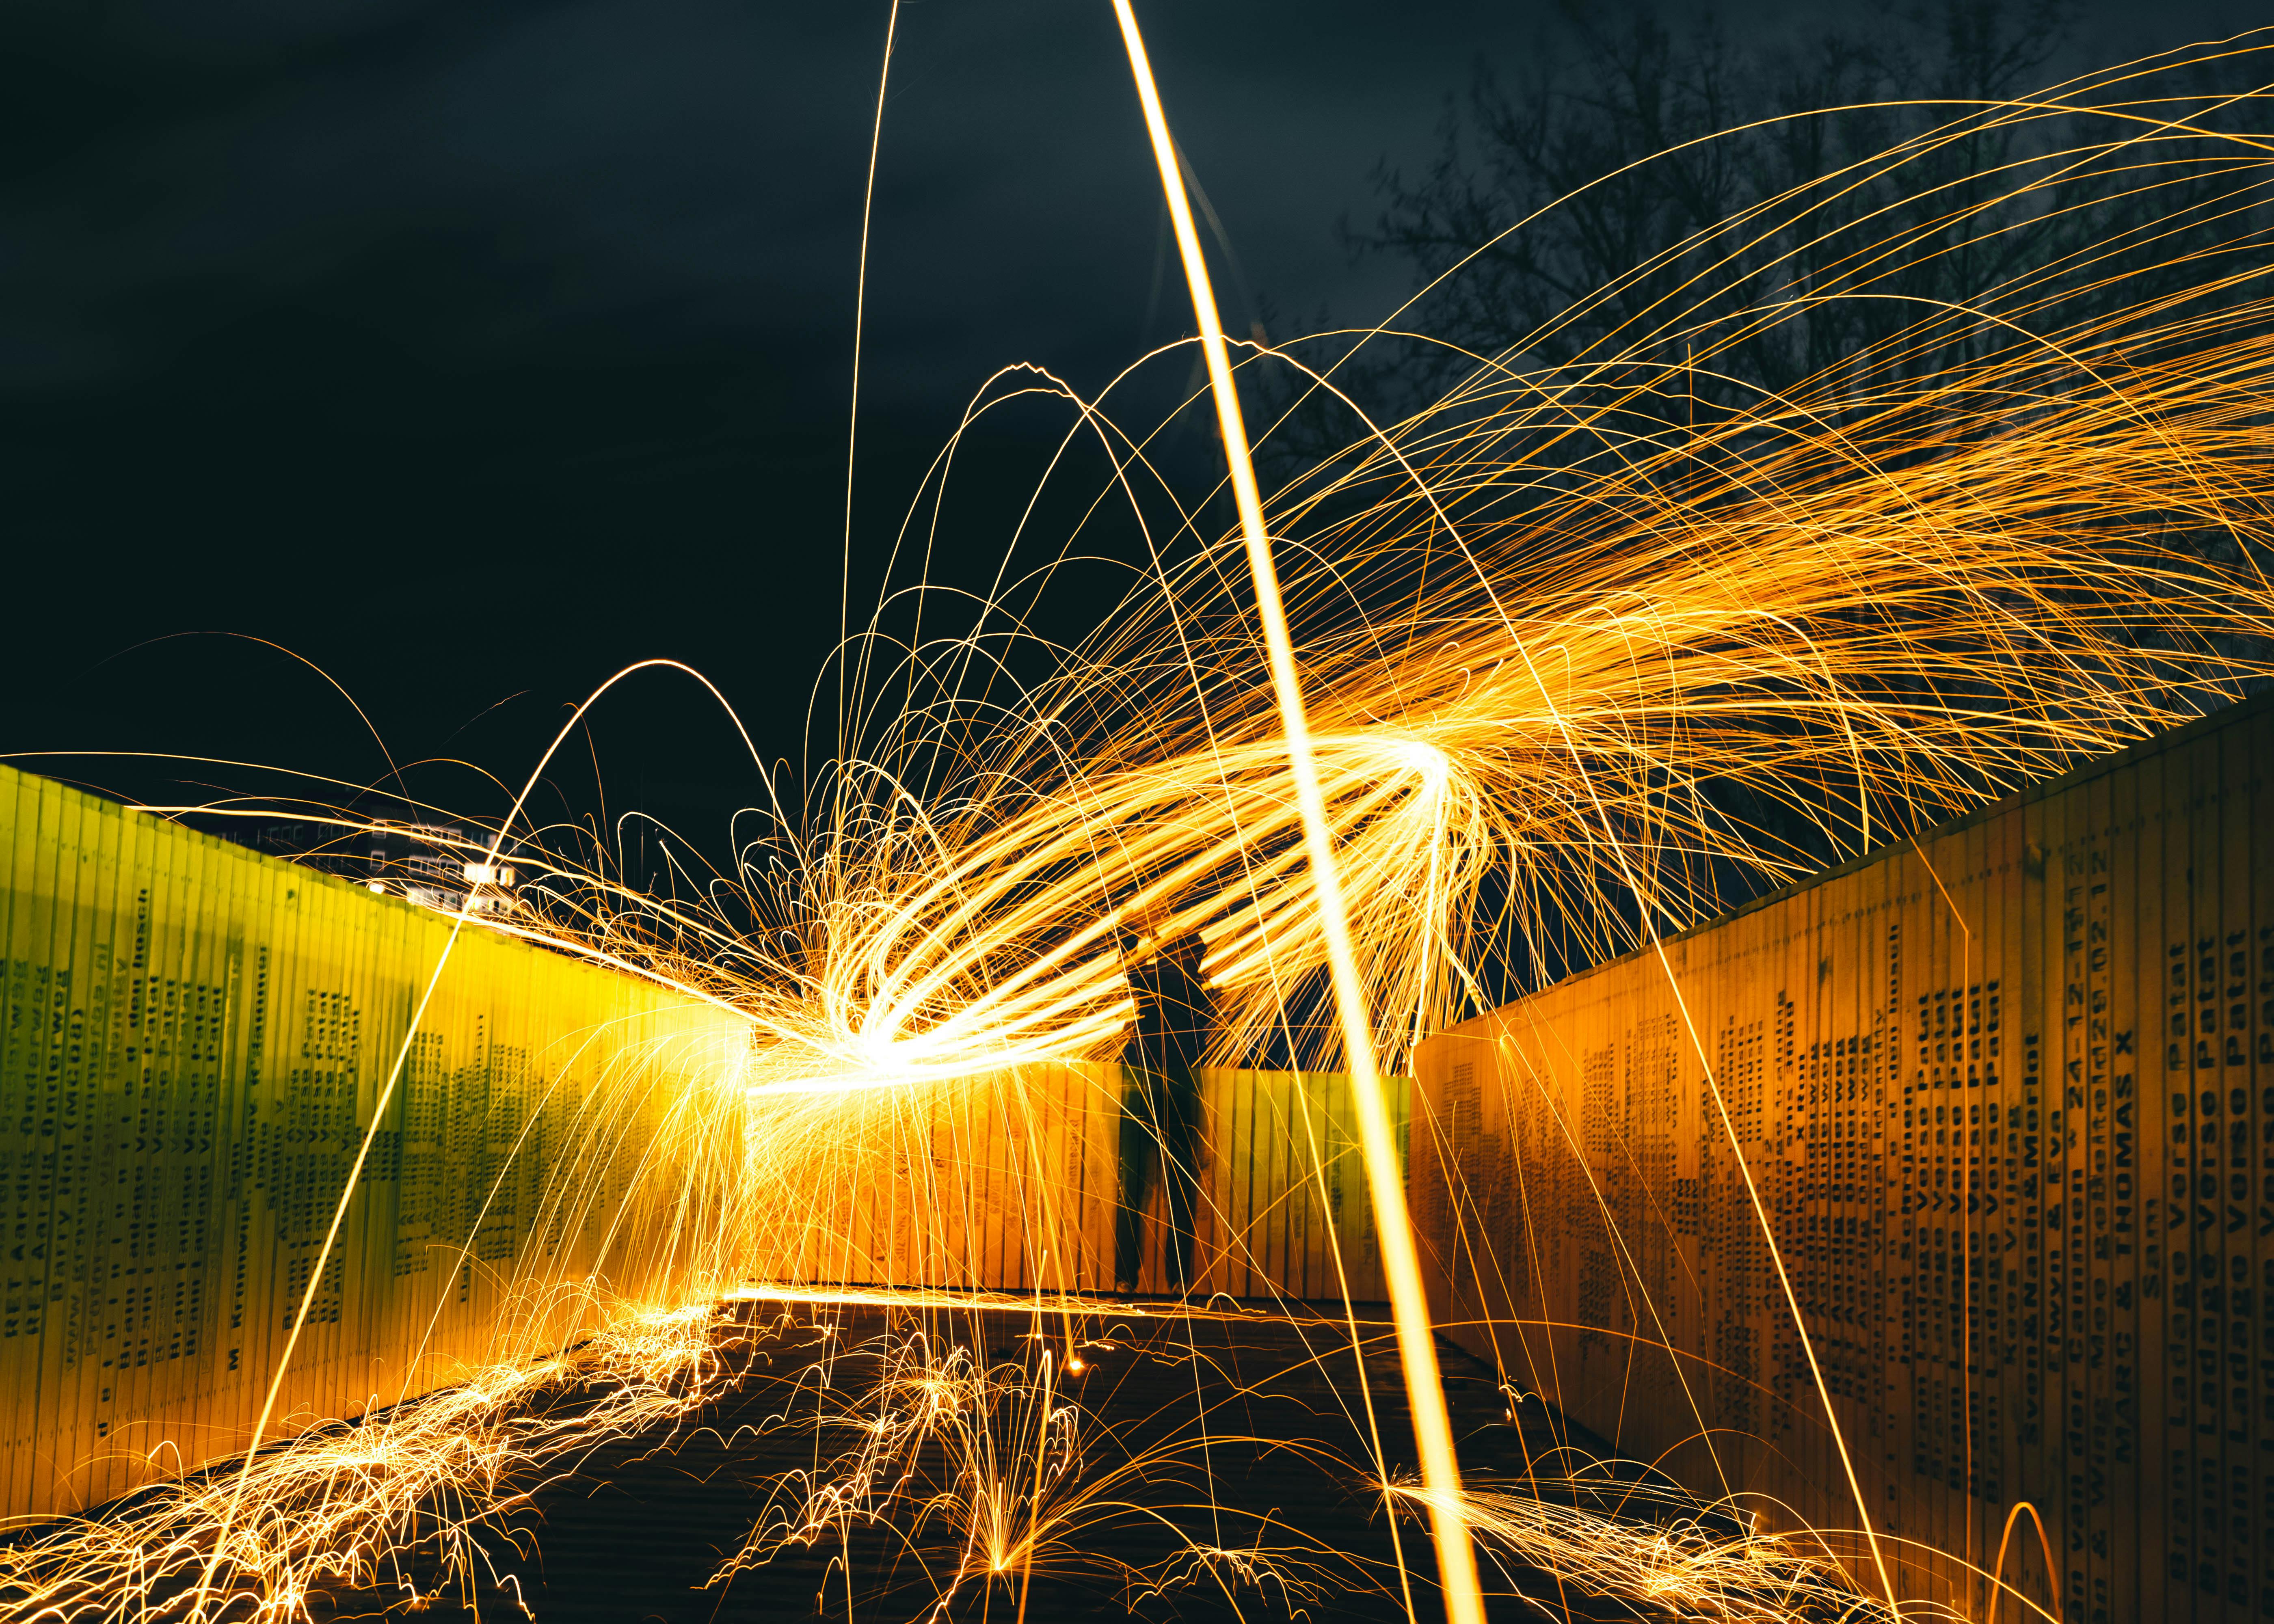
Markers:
point(193, 1042)
point(2006, 1095)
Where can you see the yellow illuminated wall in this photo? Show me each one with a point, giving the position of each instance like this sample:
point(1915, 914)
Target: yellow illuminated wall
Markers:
point(192, 1042)
point(2007, 1094)
point(1011, 1183)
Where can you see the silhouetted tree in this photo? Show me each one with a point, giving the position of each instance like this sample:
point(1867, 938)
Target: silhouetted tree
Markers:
point(1861, 196)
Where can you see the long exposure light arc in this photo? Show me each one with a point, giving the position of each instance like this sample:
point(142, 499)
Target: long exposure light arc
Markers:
point(1385, 1182)
point(202, 1596)
point(860, 318)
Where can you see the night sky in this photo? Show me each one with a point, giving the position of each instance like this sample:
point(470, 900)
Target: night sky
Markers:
point(472, 350)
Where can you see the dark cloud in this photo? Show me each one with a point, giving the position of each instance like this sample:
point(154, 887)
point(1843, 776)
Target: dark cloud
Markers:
point(473, 349)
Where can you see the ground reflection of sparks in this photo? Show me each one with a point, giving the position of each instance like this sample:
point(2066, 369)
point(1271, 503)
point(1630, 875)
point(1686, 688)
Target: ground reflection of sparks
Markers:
point(352, 1505)
point(1653, 1545)
point(988, 1455)
point(1292, 1576)
point(988, 1474)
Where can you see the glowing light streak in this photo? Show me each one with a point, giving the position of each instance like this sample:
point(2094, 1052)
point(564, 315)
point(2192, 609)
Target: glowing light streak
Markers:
point(1590, 1537)
point(1432, 1427)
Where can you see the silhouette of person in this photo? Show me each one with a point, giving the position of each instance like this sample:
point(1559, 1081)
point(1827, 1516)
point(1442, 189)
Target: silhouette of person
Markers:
point(1161, 1107)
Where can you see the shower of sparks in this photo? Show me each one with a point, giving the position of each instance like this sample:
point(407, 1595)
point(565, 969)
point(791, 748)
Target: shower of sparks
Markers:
point(1578, 669)
point(996, 1472)
point(1596, 1538)
point(350, 1505)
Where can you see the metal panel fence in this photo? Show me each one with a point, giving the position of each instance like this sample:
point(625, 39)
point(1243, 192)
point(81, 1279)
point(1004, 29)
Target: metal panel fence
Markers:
point(2007, 1096)
point(1013, 1184)
point(192, 1041)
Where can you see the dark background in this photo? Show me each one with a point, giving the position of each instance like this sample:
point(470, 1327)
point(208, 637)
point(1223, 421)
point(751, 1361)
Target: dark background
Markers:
point(470, 351)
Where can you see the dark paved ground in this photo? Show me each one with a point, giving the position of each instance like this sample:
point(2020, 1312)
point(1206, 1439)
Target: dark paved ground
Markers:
point(1279, 1462)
